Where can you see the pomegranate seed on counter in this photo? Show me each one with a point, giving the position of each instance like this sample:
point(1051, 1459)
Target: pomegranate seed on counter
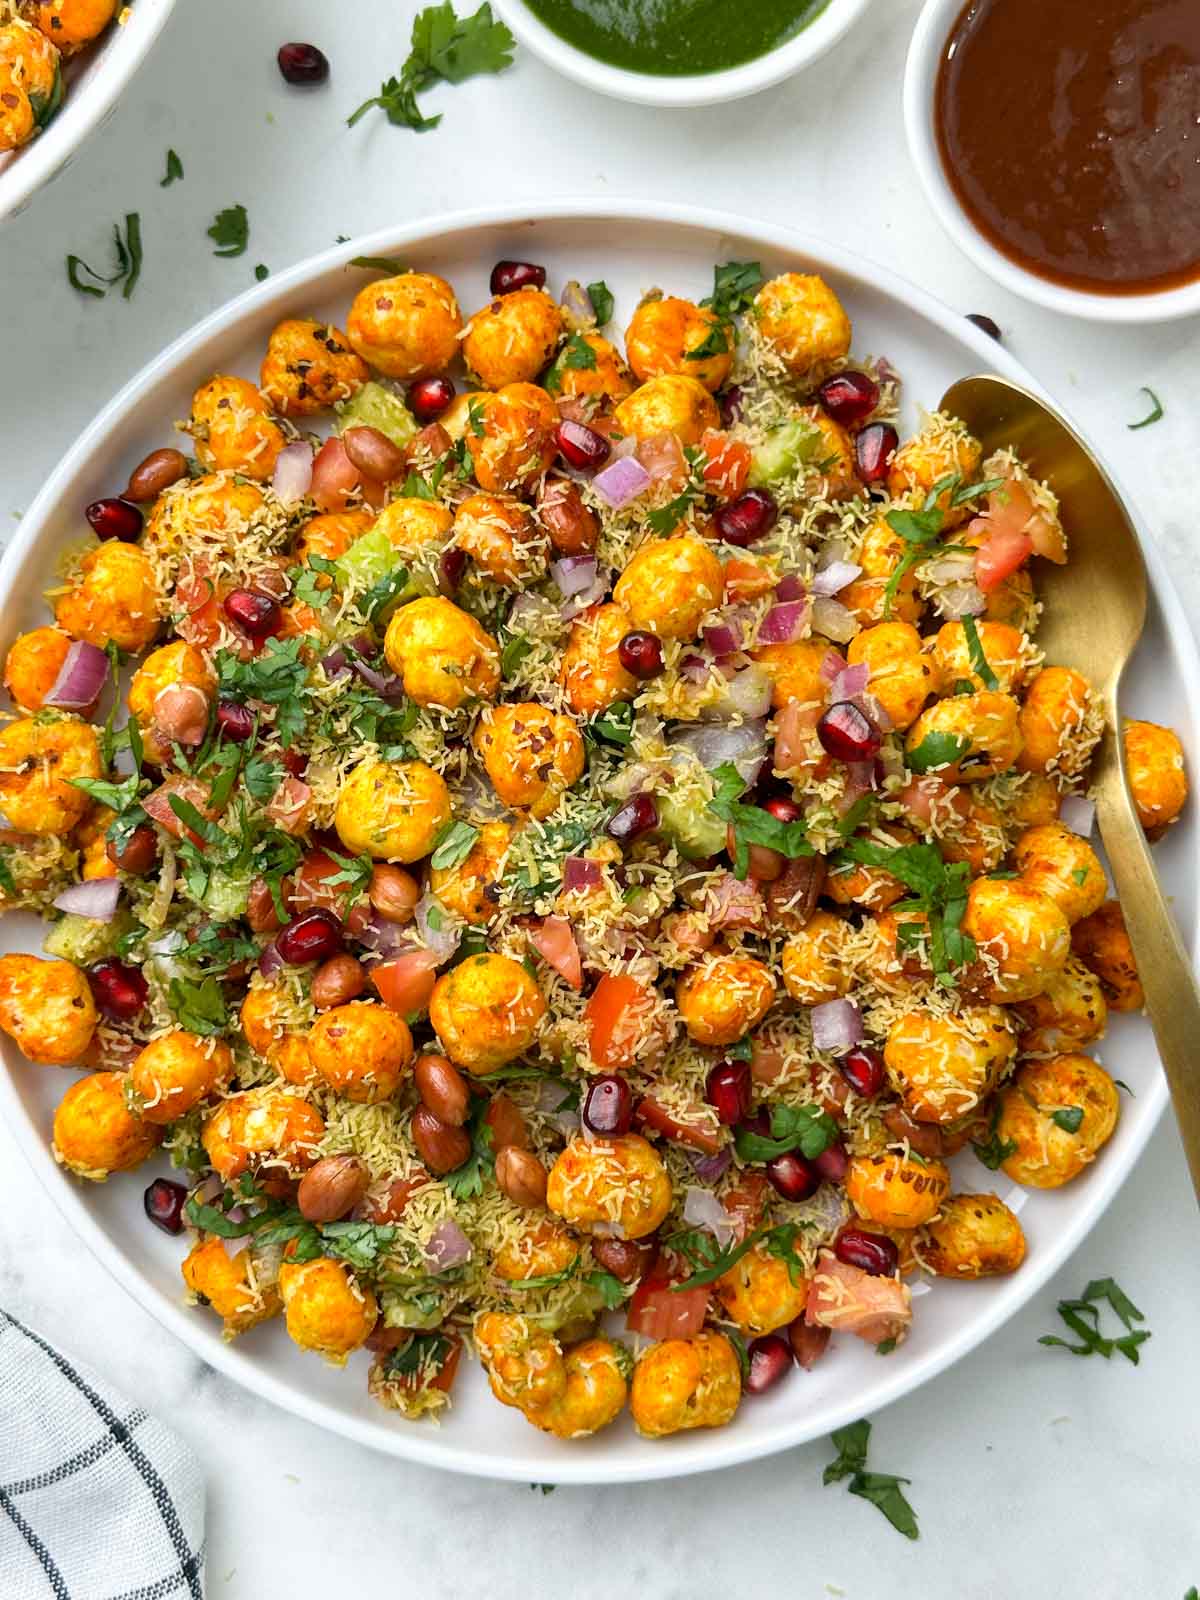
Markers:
point(115, 518)
point(303, 63)
point(641, 654)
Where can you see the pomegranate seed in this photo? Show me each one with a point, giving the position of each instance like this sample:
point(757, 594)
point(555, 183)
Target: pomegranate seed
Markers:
point(849, 397)
point(114, 518)
point(731, 406)
point(874, 448)
point(641, 654)
point(510, 275)
point(163, 1203)
point(118, 989)
point(760, 1122)
point(792, 1177)
point(637, 816)
point(315, 936)
point(452, 564)
point(863, 1071)
point(608, 1106)
point(848, 733)
point(582, 447)
point(770, 1358)
point(235, 722)
point(830, 1166)
point(871, 1252)
point(257, 615)
point(429, 397)
point(989, 326)
point(783, 809)
point(727, 1090)
point(303, 63)
point(296, 762)
point(748, 518)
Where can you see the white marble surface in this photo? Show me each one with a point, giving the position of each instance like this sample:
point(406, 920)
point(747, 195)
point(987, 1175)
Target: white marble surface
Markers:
point(1034, 1473)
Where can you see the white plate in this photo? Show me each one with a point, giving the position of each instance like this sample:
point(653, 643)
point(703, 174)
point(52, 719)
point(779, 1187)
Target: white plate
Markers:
point(633, 247)
point(94, 81)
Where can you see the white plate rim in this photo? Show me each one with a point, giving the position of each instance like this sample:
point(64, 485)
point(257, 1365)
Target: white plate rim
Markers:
point(119, 57)
point(428, 1446)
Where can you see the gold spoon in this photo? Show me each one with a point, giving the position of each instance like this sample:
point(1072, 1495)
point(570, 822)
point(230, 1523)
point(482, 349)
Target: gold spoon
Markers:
point(1095, 612)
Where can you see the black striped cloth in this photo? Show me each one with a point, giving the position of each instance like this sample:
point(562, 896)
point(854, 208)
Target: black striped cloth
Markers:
point(98, 1501)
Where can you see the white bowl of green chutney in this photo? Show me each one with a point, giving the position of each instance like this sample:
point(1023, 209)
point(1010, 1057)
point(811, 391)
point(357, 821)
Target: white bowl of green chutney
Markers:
point(679, 52)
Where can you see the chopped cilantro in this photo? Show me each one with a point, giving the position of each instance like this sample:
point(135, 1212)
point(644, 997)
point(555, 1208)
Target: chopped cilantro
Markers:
point(443, 48)
point(701, 1250)
point(939, 890)
point(611, 1290)
point(198, 1007)
point(937, 750)
point(715, 343)
point(882, 1489)
point(261, 273)
point(979, 661)
point(230, 231)
point(578, 354)
point(1082, 1317)
point(1068, 1118)
point(513, 651)
point(751, 824)
point(374, 601)
point(805, 1128)
point(128, 253)
point(468, 1180)
point(174, 170)
point(389, 264)
point(602, 301)
point(734, 286)
point(613, 726)
point(423, 1350)
point(453, 845)
point(994, 1151)
point(278, 677)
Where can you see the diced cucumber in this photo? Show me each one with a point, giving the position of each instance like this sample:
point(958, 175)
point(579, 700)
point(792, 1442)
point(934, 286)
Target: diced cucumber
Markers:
point(686, 820)
point(227, 894)
point(83, 940)
point(785, 451)
point(376, 407)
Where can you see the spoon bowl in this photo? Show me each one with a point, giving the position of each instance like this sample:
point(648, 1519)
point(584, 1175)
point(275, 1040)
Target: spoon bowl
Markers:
point(1095, 610)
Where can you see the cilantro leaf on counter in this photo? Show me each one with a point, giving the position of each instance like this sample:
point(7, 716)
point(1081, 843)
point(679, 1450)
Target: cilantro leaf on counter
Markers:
point(127, 251)
point(444, 48)
point(174, 170)
point(230, 231)
point(882, 1489)
point(1082, 1317)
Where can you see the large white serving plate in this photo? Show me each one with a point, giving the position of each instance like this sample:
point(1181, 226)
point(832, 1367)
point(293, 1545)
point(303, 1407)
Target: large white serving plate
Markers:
point(95, 81)
point(634, 247)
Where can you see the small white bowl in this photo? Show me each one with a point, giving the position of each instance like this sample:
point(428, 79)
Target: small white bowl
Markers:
point(920, 94)
point(95, 81)
point(699, 89)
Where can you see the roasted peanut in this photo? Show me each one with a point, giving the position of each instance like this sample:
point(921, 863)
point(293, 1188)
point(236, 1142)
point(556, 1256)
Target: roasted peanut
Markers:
point(394, 893)
point(181, 714)
point(443, 1146)
point(373, 453)
point(336, 981)
point(443, 1089)
point(571, 528)
point(506, 1122)
point(332, 1187)
point(923, 1137)
point(626, 1259)
point(159, 470)
point(139, 852)
point(521, 1176)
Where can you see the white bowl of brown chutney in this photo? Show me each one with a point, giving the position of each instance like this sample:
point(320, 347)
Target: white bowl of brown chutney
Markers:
point(679, 52)
point(1059, 145)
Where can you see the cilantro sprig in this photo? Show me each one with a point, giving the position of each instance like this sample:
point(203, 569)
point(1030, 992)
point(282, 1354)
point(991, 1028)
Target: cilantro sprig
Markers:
point(939, 890)
point(444, 48)
point(923, 528)
point(701, 1251)
point(805, 1128)
point(882, 1489)
point(751, 824)
point(1082, 1317)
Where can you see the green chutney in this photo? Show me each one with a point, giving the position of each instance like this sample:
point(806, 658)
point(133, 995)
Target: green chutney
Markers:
point(674, 38)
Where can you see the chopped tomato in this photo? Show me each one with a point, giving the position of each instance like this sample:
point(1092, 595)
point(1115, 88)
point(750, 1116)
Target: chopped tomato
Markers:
point(1012, 509)
point(921, 796)
point(312, 888)
point(663, 458)
point(555, 943)
point(1000, 554)
point(657, 1311)
point(157, 806)
point(616, 1016)
point(697, 1135)
point(746, 1201)
point(728, 464)
point(406, 984)
point(746, 579)
point(849, 1300)
point(391, 1204)
point(196, 595)
point(288, 807)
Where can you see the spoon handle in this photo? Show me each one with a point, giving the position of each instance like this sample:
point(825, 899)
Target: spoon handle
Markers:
point(1164, 966)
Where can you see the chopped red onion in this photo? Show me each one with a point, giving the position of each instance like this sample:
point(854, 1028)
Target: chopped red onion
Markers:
point(441, 941)
point(723, 638)
point(580, 873)
point(1079, 814)
point(833, 664)
point(860, 780)
point(595, 591)
point(386, 685)
point(832, 620)
point(292, 478)
point(573, 574)
point(550, 1097)
point(694, 668)
point(577, 306)
point(710, 1168)
point(80, 678)
point(835, 577)
point(784, 623)
point(387, 940)
point(837, 1025)
point(335, 664)
point(750, 691)
point(621, 482)
point(703, 1210)
point(270, 961)
point(447, 1247)
point(850, 682)
point(714, 743)
point(790, 587)
point(877, 712)
point(97, 899)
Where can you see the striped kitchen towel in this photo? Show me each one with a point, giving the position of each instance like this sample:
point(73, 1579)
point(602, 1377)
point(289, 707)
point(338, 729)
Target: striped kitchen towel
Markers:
point(98, 1501)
